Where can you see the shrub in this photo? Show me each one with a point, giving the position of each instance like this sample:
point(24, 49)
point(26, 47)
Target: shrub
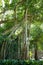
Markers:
point(20, 62)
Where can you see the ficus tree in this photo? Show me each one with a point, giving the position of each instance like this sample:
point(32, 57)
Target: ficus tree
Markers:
point(13, 15)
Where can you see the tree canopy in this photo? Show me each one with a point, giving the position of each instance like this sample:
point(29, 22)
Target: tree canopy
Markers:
point(21, 17)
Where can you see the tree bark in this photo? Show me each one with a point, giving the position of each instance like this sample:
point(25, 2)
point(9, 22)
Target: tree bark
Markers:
point(36, 50)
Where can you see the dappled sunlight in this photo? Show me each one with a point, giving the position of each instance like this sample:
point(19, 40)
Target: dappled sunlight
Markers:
point(18, 31)
point(21, 31)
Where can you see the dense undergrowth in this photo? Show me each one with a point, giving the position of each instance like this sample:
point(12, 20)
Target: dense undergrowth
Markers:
point(20, 62)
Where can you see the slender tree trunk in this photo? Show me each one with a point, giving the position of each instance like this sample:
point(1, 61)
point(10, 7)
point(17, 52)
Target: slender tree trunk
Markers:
point(36, 50)
point(2, 50)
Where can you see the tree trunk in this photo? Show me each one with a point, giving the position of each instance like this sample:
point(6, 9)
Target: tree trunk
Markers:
point(36, 50)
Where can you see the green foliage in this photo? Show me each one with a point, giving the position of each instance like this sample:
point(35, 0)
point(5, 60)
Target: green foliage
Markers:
point(1, 38)
point(36, 36)
point(1, 29)
point(20, 62)
point(35, 32)
point(8, 25)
